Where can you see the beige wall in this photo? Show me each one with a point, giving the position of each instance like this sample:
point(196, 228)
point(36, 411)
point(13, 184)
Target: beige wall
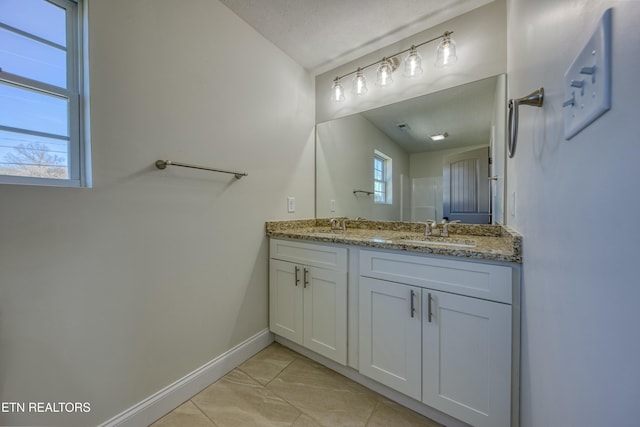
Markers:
point(345, 150)
point(109, 294)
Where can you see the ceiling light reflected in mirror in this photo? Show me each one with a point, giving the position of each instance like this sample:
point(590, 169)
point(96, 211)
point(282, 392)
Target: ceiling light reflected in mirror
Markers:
point(439, 136)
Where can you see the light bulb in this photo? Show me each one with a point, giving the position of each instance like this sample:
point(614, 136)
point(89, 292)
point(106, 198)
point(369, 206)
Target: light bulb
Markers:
point(337, 91)
point(446, 52)
point(359, 83)
point(413, 63)
point(383, 75)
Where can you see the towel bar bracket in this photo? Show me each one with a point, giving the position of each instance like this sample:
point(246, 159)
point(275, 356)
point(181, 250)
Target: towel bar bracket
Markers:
point(534, 99)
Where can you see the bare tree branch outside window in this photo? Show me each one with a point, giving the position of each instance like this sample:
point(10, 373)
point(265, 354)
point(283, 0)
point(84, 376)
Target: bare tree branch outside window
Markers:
point(34, 159)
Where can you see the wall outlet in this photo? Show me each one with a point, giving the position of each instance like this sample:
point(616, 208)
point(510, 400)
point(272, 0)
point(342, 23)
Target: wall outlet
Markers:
point(291, 204)
point(332, 206)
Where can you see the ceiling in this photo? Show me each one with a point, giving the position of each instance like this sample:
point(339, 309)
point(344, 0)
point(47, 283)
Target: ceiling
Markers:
point(464, 112)
point(323, 34)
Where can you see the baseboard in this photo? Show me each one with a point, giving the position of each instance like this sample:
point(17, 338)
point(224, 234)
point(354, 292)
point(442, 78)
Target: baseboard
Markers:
point(165, 400)
point(387, 392)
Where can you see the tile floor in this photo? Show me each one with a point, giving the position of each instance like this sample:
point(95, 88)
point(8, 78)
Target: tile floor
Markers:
point(279, 387)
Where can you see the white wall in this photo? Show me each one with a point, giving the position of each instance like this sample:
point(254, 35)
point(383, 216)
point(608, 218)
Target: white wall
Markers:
point(111, 293)
point(345, 150)
point(481, 49)
point(576, 206)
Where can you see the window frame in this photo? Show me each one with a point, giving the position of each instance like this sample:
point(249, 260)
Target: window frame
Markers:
point(387, 181)
point(78, 159)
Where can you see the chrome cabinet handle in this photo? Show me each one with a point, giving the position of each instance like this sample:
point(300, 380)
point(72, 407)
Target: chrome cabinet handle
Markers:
point(429, 312)
point(413, 305)
point(297, 275)
point(306, 277)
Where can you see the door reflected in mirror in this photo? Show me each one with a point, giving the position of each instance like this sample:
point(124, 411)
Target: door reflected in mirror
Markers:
point(459, 175)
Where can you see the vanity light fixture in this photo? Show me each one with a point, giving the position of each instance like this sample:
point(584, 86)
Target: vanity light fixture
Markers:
point(337, 91)
point(383, 75)
point(413, 63)
point(439, 136)
point(360, 83)
point(446, 52)
point(445, 55)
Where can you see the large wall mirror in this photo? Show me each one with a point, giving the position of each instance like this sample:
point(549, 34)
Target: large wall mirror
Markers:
point(383, 164)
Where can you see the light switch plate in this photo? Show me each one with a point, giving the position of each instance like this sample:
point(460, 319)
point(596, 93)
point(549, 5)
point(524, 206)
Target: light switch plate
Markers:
point(291, 204)
point(587, 82)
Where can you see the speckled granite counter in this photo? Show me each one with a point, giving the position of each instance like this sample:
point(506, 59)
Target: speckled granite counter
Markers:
point(488, 242)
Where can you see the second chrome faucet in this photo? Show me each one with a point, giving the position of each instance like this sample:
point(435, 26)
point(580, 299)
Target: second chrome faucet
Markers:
point(338, 223)
point(432, 228)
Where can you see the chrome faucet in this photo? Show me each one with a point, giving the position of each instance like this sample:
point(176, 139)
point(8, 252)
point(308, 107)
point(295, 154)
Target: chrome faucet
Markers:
point(445, 226)
point(338, 224)
point(431, 228)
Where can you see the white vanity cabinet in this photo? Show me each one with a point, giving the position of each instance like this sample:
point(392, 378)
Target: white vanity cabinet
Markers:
point(440, 331)
point(391, 335)
point(308, 296)
point(466, 358)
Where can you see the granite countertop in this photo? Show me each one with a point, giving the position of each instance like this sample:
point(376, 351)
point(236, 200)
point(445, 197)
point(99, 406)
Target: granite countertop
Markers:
point(475, 241)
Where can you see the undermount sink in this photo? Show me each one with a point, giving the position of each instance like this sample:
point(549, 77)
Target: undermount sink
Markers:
point(441, 241)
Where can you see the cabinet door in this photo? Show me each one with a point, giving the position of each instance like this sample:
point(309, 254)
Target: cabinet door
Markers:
point(285, 300)
point(390, 334)
point(325, 312)
point(467, 358)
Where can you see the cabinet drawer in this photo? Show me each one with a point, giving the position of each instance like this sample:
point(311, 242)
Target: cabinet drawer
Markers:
point(490, 282)
point(311, 254)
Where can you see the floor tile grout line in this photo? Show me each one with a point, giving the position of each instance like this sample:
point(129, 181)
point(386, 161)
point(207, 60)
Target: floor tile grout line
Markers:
point(380, 399)
point(274, 377)
point(375, 407)
point(297, 408)
point(302, 412)
point(282, 370)
point(296, 357)
point(200, 409)
point(264, 386)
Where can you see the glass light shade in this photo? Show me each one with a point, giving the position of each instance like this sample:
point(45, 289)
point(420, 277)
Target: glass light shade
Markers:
point(383, 75)
point(337, 91)
point(413, 64)
point(360, 84)
point(446, 52)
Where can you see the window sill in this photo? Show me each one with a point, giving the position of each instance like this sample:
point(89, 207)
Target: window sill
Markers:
point(40, 182)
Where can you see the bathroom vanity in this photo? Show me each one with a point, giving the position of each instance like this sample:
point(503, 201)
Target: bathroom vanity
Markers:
point(434, 318)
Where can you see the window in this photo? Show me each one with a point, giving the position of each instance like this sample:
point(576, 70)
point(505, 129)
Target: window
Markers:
point(40, 93)
point(382, 188)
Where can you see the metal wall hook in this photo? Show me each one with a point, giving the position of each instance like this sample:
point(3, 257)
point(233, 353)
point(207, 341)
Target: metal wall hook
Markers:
point(535, 99)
